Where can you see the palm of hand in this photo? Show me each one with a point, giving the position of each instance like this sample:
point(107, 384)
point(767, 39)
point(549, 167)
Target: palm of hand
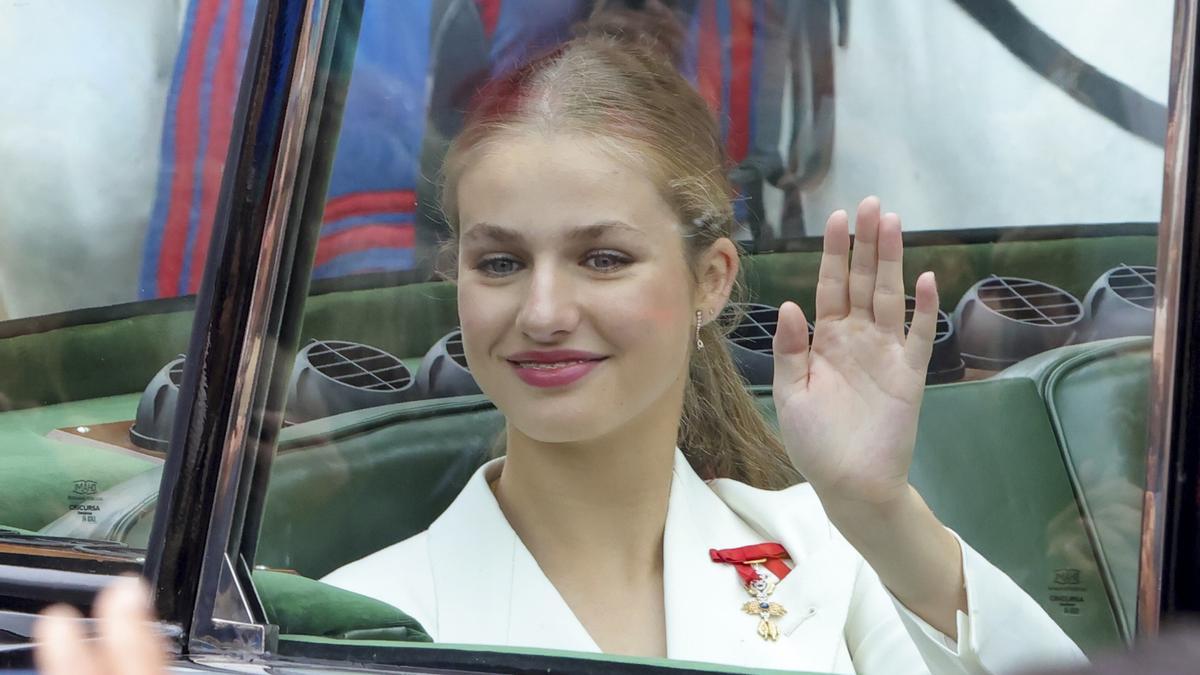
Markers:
point(848, 405)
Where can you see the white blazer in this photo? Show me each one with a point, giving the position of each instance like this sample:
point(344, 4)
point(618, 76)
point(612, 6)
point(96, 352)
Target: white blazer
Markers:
point(469, 579)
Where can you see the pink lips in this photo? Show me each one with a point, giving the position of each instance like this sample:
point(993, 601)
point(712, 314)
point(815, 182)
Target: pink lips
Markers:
point(553, 368)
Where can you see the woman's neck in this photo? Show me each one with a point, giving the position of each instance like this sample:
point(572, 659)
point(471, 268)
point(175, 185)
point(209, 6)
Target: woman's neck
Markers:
point(603, 502)
point(593, 515)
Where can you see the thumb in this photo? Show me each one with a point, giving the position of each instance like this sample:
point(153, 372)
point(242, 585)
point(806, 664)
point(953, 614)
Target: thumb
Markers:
point(791, 348)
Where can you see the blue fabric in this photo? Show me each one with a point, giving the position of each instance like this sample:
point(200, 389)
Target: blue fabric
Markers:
point(379, 147)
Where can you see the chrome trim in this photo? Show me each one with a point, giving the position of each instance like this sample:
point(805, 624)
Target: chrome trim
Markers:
point(209, 631)
point(1177, 185)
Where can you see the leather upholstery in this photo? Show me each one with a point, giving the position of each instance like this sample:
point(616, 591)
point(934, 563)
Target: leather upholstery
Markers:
point(300, 606)
point(1097, 395)
point(988, 461)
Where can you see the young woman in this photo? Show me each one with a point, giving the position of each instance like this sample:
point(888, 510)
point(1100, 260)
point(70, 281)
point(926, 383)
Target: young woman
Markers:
point(643, 506)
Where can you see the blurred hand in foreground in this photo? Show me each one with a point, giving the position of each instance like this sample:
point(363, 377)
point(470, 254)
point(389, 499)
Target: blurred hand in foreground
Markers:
point(125, 643)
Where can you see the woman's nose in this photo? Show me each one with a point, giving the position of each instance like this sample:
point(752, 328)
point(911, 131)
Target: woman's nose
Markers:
point(549, 309)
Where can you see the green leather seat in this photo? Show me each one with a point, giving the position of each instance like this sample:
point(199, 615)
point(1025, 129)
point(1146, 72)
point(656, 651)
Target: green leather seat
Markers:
point(345, 486)
point(988, 461)
point(1097, 396)
point(300, 606)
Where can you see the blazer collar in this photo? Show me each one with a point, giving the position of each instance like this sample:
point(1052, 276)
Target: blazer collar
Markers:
point(490, 590)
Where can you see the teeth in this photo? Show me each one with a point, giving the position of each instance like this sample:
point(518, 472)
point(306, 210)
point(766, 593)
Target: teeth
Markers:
point(549, 366)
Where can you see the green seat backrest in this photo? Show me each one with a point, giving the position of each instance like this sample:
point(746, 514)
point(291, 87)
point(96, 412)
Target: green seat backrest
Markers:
point(345, 486)
point(1097, 395)
point(987, 461)
point(300, 606)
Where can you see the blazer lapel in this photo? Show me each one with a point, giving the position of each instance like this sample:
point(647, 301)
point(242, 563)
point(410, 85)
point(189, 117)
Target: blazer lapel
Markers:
point(489, 588)
point(704, 600)
point(818, 590)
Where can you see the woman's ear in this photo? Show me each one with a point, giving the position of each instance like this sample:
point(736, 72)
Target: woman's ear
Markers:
point(718, 270)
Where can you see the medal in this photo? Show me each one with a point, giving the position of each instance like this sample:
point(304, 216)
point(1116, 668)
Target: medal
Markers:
point(762, 588)
point(749, 562)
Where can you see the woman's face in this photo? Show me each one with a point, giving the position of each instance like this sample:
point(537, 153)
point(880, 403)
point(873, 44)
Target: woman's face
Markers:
point(576, 301)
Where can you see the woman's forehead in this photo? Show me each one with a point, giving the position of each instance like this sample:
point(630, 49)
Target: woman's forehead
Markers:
point(569, 185)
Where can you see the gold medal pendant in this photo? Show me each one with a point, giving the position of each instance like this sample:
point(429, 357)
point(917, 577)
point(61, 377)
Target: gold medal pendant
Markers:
point(762, 607)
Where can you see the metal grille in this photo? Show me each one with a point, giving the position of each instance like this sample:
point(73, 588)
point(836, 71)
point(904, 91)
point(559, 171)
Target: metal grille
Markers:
point(454, 347)
point(1134, 284)
point(755, 329)
point(1029, 301)
point(359, 366)
point(175, 372)
point(944, 327)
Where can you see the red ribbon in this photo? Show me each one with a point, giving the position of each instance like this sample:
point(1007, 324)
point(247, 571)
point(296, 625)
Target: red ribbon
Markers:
point(769, 554)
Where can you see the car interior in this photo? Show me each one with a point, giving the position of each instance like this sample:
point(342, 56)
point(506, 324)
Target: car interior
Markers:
point(1028, 462)
point(1031, 443)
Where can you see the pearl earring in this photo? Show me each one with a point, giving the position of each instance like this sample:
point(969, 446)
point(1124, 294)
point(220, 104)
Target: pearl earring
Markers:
point(699, 323)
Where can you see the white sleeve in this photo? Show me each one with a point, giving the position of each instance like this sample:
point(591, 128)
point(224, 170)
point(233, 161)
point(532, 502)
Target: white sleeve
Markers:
point(1003, 630)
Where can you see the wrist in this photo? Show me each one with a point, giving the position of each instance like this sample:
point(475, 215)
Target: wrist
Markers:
point(881, 508)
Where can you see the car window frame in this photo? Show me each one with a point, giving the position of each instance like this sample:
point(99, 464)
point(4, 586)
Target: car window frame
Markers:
point(228, 473)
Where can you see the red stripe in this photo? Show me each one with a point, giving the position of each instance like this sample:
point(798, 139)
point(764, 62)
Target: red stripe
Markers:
point(362, 239)
point(220, 124)
point(708, 61)
point(489, 14)
point(366, 203)
point(186, 128)
point(742, 61)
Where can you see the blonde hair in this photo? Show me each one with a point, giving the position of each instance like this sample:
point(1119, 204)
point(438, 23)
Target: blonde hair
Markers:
point(623, 90)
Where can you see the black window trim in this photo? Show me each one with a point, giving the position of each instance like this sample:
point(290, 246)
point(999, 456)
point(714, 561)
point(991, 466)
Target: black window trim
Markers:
point(194, 568)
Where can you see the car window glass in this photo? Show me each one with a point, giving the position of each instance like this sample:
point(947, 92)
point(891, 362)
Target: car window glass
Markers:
point(1022, 146)
point(114, 129)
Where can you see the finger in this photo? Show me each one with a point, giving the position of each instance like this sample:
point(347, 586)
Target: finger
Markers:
point(923, 330)
point(128, 643)
point(863, 260)
point(888, 302)
point(791, 348)
point(832, 302)
point(61, 645)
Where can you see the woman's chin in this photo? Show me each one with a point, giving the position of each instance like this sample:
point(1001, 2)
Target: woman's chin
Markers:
point(545, 427)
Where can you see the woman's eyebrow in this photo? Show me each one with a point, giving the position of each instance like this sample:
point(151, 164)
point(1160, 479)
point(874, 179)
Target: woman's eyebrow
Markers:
point(599, 229)
point(504, 235)
point(491, 231)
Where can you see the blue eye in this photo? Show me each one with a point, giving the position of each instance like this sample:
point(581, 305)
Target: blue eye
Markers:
point(499, 266)
point(606, 261)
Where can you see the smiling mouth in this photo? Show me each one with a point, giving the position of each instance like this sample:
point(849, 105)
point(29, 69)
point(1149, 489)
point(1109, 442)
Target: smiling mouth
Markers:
point(551, 370)
point(554, 365)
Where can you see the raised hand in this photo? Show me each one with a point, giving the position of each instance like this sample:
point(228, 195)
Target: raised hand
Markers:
point(125, 644)
point(848, 405)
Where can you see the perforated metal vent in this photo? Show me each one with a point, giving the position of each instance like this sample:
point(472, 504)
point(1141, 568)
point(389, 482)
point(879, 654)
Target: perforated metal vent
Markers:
point(334, 376)
point(1002, 320)
point(444, 371)
point(946, 362)
point(1134, 284)
point(175, 372)
point(454, 347)
point(359, 366)
point(944, 328)
point(755, 329)
point(1029, 301)
point(1119, 304)
point(751, 340)
point(151, 428)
